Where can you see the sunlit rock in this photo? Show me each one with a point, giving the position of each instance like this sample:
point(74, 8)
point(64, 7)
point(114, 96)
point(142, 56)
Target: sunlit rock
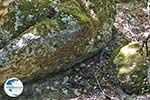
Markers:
point(132, 68)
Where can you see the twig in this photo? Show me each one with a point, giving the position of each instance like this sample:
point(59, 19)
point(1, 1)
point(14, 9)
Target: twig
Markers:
point(98, 83)
point(103, 92)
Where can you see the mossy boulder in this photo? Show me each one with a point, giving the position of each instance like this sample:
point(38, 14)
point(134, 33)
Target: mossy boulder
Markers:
point(41, 37)
point(132, 68)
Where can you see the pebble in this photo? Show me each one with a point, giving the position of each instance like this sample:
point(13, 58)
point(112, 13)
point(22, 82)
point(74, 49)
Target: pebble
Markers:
point(88, 66)
point(85, 91)
point(79, 78)
point(65, 80)
point(99, 37)
point(65, 91)
point(56, 82)
point(77, 69)
point(76, 92)
point(52, 88)
point(82, 65)
point(38, 90)
point(47, 87)
point(95, 87)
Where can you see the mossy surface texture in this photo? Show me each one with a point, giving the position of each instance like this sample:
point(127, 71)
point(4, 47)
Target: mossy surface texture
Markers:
point(41, 37)
point(132, 69)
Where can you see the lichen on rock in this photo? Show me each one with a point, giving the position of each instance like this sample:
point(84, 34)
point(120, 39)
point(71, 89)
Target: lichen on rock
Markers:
point(43, 37)
point(131, 68)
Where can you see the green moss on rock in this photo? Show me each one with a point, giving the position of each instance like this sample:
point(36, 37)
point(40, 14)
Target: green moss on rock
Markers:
point(41, 48)
point(73, 7)
point(131, 67)
point(45, 37)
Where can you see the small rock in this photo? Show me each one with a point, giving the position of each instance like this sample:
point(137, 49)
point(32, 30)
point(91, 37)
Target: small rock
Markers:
point(52, 88)
point(38, 90)
point(65, 80)
point(82, 65)
point(85, 91)
point(65, 91)
point(76, 92)
point(47, 87)
point(95, 87)
point(88, 65)
point(79, 78)
point(77, 69)
point(56, 82)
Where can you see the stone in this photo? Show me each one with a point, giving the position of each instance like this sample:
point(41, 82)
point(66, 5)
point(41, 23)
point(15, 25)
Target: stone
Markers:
point(131, 68)
point(42, 37)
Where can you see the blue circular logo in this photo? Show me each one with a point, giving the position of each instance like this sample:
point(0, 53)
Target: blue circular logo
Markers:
point(13, 87)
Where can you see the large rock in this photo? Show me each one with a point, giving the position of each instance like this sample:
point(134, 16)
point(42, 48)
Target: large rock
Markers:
point(38, 37)
point(132, 23)
point(132, 69)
